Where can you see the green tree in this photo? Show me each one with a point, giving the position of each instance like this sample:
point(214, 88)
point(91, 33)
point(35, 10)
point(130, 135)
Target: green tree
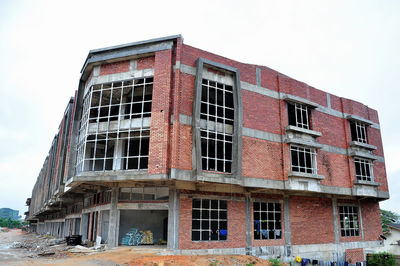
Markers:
point(388, 217)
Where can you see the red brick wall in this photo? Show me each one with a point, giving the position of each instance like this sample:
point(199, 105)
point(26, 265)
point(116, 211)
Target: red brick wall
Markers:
point(145, 63)
point(260, 158)
point(335, 168)
point(160, 113)
point(332, 129)
point(355, 255)
point(371, 219)
point(311, 220)
point(112, 68)
point(260, 112)
point(236, 227)
point(187, 92)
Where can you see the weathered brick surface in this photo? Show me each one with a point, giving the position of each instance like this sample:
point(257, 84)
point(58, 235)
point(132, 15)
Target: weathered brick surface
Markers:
point(260, 159)
point(374, 138)
point(317, 96)
point(185, 147)
point(160, 116)
point(311, 220)
point(380, 176)
point(236, 237)
point(260, 112)
point(335, 168)
point(145, 62)
point(112, 68)
point(355, 255)
point(371, 219)
point(269, 78)
point(332, 129)
point(187, 92)
point(293, 87)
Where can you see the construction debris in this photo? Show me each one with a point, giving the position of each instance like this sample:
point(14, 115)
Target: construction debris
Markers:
point(135, 238)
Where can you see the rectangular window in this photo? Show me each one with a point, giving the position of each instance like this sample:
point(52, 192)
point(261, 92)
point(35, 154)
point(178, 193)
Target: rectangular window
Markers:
point(209, 220)
point(363, 169)
point(114, 130)
point(299, 115)
point(216, 133)
point(349, 220)
point(267, 220)
point(143, 193)
point(303, 159)
point(358, 131)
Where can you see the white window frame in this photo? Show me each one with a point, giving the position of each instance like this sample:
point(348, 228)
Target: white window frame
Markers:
point(360, 131)
point(349, 212)
point(304, 151)
point(273, 227)
point(302, 114)
point(203, 219)
point(365, 166)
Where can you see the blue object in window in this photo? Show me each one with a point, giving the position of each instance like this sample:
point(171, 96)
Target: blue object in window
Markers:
point(222, 232)
point(257, 224)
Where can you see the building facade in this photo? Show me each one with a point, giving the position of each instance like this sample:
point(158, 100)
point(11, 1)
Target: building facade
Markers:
point(213, 156)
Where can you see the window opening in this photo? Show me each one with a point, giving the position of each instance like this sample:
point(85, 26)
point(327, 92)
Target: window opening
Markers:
point(209, 220)
point(267, 220)
point(303, 159)
point(349, 220)
point(216, 133)
point(143, 193)
point(363, 169)
point(299, 115)
point(358, 131)
point(112, 134)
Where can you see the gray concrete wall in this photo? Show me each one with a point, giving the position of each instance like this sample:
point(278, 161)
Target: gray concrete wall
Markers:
point(152, 220)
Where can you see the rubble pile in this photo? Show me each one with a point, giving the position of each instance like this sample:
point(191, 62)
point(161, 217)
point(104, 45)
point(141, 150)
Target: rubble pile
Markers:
point(49, 246)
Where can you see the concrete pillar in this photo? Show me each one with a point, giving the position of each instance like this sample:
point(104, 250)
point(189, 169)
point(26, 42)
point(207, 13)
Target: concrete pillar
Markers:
point(360, 220)
point(113, 225)
point(336, 228)
point(173, 219)
point(118, 153)
point(248, 225)
point(286, 218)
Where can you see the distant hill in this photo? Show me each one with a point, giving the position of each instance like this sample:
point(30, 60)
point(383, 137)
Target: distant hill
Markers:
point(9, 213)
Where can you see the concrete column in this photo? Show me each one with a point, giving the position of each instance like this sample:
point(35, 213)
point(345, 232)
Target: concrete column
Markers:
point(173, 219)
point(286, 219)
point(113, 225)
point(118, 153)
point(248, 225)
point(361, 221)
point(335, 213)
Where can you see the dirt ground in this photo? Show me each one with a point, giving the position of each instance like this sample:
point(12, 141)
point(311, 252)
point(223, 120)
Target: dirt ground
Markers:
point(20, 248)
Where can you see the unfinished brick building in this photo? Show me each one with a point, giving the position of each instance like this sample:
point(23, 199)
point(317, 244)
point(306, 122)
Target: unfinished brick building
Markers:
point(212, 155)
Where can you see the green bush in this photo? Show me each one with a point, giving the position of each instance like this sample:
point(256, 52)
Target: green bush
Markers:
point(382, 259)
point(275, 262)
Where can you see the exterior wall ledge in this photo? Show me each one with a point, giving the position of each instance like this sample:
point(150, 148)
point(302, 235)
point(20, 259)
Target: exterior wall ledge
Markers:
point(292, 98)
point(356, 153)
point(308, 143)
point(305, 175)
point(359, 119)
point(367, 183)
point(358, 144)
point(303, 131)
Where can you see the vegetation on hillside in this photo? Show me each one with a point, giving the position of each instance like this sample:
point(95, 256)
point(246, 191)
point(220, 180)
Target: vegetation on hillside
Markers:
point(9, 223)
point(388, 217)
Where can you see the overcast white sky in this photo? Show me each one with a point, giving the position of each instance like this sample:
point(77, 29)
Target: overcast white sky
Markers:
point(348, 48)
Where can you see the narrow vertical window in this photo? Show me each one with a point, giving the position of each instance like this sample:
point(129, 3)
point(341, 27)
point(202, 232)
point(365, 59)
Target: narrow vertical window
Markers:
point(299, 115)
point(358, 131)
point(216, 126)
